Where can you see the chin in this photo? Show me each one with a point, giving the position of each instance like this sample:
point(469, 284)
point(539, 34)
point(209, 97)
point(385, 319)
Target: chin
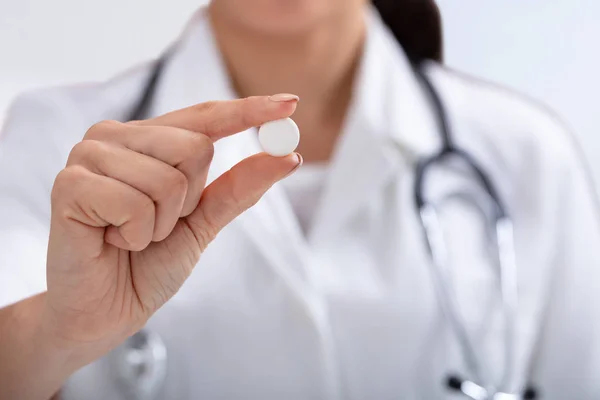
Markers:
point(280, 17)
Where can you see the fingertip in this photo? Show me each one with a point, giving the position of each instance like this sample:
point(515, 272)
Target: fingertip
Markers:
point(279, 167)
point(113, 236)
point(284, 98)
point(284, 104)
point(165, 227)
point(159, 235)
point(294, 162)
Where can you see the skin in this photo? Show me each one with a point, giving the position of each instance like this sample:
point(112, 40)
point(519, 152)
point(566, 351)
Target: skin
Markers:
point(307, 47)
point(130, 212)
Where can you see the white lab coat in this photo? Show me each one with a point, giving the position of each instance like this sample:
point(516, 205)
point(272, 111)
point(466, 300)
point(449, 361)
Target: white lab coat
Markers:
point(349, 311)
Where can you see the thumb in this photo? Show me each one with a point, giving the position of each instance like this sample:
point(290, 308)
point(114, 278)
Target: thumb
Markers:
point(237, 190)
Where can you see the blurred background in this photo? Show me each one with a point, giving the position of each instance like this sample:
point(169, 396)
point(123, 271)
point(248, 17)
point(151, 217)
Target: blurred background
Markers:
point(547, 49)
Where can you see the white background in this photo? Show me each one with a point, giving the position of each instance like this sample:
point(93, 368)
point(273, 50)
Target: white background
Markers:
point(546, 48)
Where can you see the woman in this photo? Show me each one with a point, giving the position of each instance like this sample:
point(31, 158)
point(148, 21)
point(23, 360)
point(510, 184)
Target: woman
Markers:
point(323, 289)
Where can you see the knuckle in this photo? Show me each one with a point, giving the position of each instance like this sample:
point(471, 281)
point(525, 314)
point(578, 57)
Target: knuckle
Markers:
point(85, 150)
point(70, 175)
point(65, 181)
point(246, 113)
point(175, 182)
point(234, 198)
point(102, 129)
point(201, 146)
point(204, 230)
point(206, 107)
point(213, 121)
point(247, 118)
point(251, 201)
point(141, 206)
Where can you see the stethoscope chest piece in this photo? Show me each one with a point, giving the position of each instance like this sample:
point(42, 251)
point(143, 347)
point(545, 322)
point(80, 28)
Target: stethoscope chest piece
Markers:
point(140, 365)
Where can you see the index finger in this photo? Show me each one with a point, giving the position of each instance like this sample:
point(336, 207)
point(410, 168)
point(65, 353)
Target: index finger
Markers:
point(218, 119)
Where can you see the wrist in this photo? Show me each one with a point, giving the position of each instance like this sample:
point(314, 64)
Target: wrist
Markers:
point(48, 340)
point(30, 354)
point(52, 337)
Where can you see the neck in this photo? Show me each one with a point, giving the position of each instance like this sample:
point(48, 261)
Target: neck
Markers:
point(318, 66)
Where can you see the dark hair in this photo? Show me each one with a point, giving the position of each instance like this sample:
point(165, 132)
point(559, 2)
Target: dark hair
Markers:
point(416, 24)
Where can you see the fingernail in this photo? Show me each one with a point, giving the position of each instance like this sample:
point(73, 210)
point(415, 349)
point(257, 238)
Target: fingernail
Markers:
point(300, 162)
point(284, 97)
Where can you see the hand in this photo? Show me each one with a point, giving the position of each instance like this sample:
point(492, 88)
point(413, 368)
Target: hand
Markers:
point(131, 216)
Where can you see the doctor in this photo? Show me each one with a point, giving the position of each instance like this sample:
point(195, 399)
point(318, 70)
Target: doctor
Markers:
point(324, 289)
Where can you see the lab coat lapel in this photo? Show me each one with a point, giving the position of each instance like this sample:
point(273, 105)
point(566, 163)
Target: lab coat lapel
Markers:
point(196, 73)
point(389, 117)
point(389, 111)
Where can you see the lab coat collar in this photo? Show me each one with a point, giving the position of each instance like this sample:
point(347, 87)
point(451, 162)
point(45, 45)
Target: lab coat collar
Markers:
point(194, 71)
point(389, 110)
point(388, 96)
point(389, 121)
point(388, 101)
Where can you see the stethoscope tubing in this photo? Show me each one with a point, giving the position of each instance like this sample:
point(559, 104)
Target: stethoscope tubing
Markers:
point(506, 258)
point(434, 236)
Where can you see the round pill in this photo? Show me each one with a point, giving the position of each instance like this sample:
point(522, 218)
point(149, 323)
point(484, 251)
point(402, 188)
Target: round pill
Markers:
point(279, 138)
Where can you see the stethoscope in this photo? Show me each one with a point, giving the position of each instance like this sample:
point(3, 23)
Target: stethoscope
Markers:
point(140, 362)
point(480, 386)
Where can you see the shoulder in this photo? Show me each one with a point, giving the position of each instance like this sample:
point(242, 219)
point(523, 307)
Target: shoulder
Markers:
point(502, 114)
point(65, 110)
point(522, 131)
point(530, 151)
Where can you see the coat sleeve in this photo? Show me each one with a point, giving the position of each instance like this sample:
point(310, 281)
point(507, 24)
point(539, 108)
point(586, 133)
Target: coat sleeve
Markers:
point(33, 149)
point(568, 364)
